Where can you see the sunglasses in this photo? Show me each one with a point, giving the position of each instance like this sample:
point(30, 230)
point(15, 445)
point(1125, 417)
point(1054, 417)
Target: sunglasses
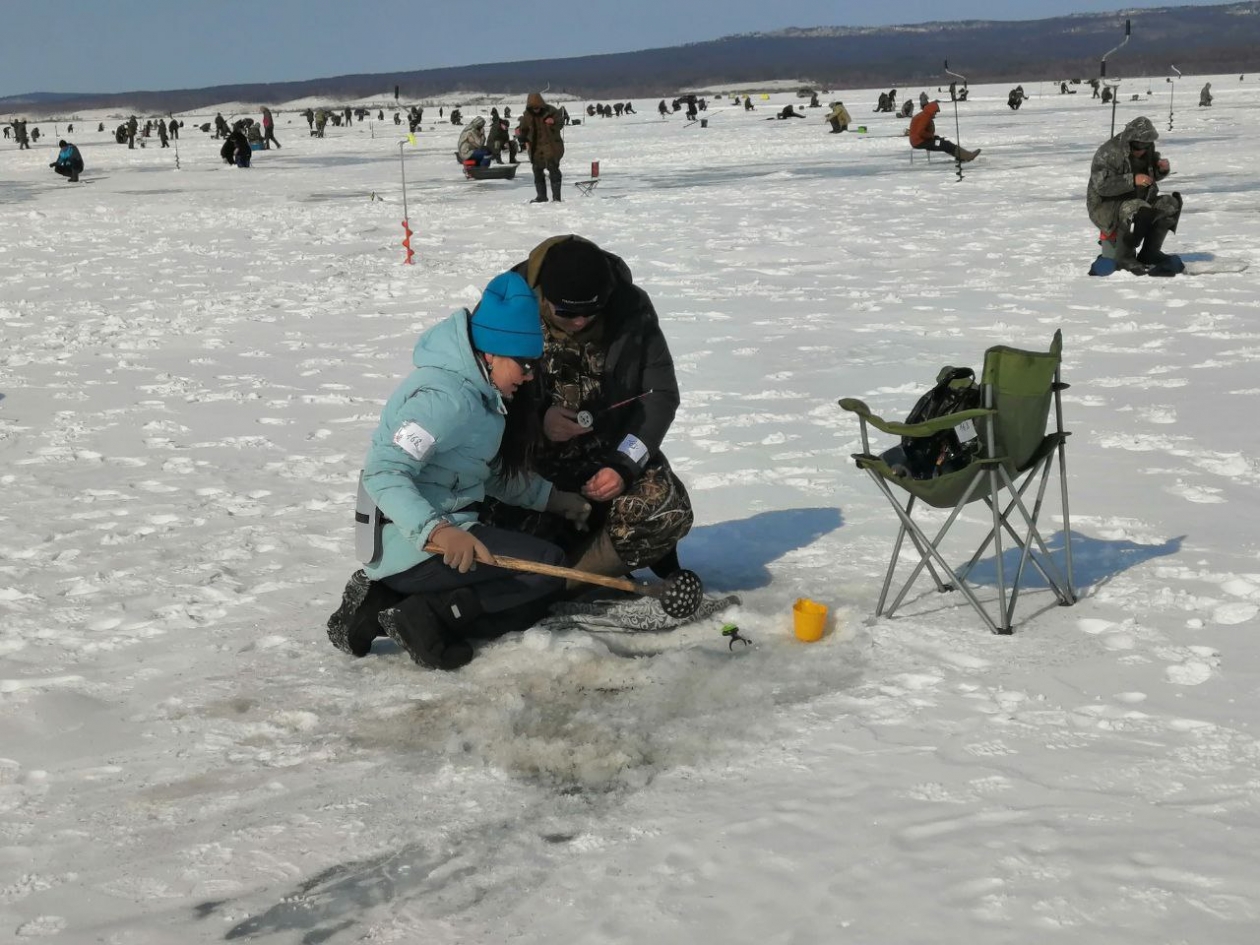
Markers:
point(571, 313)
point(527, 365)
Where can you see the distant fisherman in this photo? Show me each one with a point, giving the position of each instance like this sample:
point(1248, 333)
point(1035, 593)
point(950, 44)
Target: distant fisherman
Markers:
point(69, 163)
point(540, 127)
point(923, 136)
point(1124, 202)
point(838, 117)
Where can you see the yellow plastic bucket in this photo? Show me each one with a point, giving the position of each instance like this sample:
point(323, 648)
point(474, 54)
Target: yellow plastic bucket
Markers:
point(809, 619)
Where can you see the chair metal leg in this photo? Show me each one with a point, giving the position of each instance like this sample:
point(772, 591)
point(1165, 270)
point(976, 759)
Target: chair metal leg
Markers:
point(984, 546)
point(1055, 579)
point(892, 566)
point(1003, 610)
point(902, 532)
point(1061, 449)
point(1067, 524)
point(941, 586)
point(931, 552)
point(1026, 553)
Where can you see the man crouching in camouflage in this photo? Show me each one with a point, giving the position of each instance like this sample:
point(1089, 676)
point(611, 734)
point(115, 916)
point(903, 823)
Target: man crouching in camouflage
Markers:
point(1125, 204)
point(608, 380)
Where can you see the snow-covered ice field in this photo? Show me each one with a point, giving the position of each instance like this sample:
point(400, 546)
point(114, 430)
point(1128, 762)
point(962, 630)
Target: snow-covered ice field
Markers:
point(191, 362)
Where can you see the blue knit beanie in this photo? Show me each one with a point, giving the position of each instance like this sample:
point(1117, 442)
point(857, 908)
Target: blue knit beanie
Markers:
point(507, 320)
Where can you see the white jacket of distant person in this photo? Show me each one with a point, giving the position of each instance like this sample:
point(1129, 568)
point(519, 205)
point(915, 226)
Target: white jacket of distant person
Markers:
point(472, 139)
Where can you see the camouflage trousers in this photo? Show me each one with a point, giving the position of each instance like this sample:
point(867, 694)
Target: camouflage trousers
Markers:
point(1165, 206)
point(645, 522)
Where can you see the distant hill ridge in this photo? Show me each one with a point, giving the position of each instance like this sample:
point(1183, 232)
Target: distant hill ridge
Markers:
point(1212, 39)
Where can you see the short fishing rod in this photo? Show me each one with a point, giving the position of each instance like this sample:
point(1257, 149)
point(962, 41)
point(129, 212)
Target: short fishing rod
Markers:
point(586, 418)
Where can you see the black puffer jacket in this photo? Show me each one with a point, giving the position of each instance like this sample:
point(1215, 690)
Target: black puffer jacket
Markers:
point(636, 359)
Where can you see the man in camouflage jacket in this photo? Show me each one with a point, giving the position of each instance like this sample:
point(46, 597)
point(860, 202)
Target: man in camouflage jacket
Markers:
point(610, 394)
point(1124, 201)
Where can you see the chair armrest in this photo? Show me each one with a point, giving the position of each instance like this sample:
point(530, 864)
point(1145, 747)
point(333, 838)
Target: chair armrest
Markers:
point(935, 425)
point(927, 428)
point(853, 405)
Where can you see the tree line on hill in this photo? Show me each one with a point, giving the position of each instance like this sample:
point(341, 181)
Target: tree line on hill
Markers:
point(1216, 39)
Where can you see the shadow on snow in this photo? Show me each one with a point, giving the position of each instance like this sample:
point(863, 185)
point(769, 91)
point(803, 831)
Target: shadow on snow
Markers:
point(736, 555)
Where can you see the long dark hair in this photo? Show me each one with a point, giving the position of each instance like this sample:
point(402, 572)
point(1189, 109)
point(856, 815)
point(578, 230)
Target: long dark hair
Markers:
point(521, 433)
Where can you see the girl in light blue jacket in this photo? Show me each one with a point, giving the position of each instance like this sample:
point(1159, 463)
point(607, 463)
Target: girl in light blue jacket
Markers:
point(460, 428)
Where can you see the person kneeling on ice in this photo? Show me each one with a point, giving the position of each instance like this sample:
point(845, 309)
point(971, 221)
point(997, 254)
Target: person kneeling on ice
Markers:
point(923, 135)
point(1124, 202)
point(69, 163)
point(472, 143)
point(459, 429)
point(610, 392)
point(838, 118)
point(236, 149)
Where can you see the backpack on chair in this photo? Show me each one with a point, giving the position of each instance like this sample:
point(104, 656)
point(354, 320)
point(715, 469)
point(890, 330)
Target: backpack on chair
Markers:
point(927, 457)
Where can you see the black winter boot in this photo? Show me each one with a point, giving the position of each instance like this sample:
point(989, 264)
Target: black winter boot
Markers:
point(555, 186)
point(354, 626)
point(416, 627)
point(1129, 238)
point(1152, 254)
point(540, 186)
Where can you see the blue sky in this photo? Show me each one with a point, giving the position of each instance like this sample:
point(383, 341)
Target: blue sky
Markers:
point(130, 45)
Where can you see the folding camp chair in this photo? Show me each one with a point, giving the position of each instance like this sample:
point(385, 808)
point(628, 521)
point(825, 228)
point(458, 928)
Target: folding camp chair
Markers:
point(586, 186)
point(1018, 389)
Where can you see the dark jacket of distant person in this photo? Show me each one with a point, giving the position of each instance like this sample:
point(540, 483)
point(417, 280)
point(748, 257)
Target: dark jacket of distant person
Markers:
point(541, 126)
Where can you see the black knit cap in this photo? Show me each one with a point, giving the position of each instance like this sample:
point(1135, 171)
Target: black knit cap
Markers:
point(576, 278)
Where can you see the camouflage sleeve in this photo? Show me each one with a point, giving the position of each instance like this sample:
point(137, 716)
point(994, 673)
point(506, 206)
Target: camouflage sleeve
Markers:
point(1110, 178)
point(1156, 157)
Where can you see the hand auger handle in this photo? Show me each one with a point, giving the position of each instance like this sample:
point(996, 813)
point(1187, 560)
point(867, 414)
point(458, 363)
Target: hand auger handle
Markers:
point(680, 594)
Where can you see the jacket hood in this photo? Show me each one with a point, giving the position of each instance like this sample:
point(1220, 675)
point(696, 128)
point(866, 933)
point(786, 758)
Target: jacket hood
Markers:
point(1139, 129)
point(931, 109)
point(447, 347)
point(535, 100)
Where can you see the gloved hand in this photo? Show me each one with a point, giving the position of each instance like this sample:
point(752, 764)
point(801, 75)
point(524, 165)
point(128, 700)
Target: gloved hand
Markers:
point(459, 549)
point(570, 505)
